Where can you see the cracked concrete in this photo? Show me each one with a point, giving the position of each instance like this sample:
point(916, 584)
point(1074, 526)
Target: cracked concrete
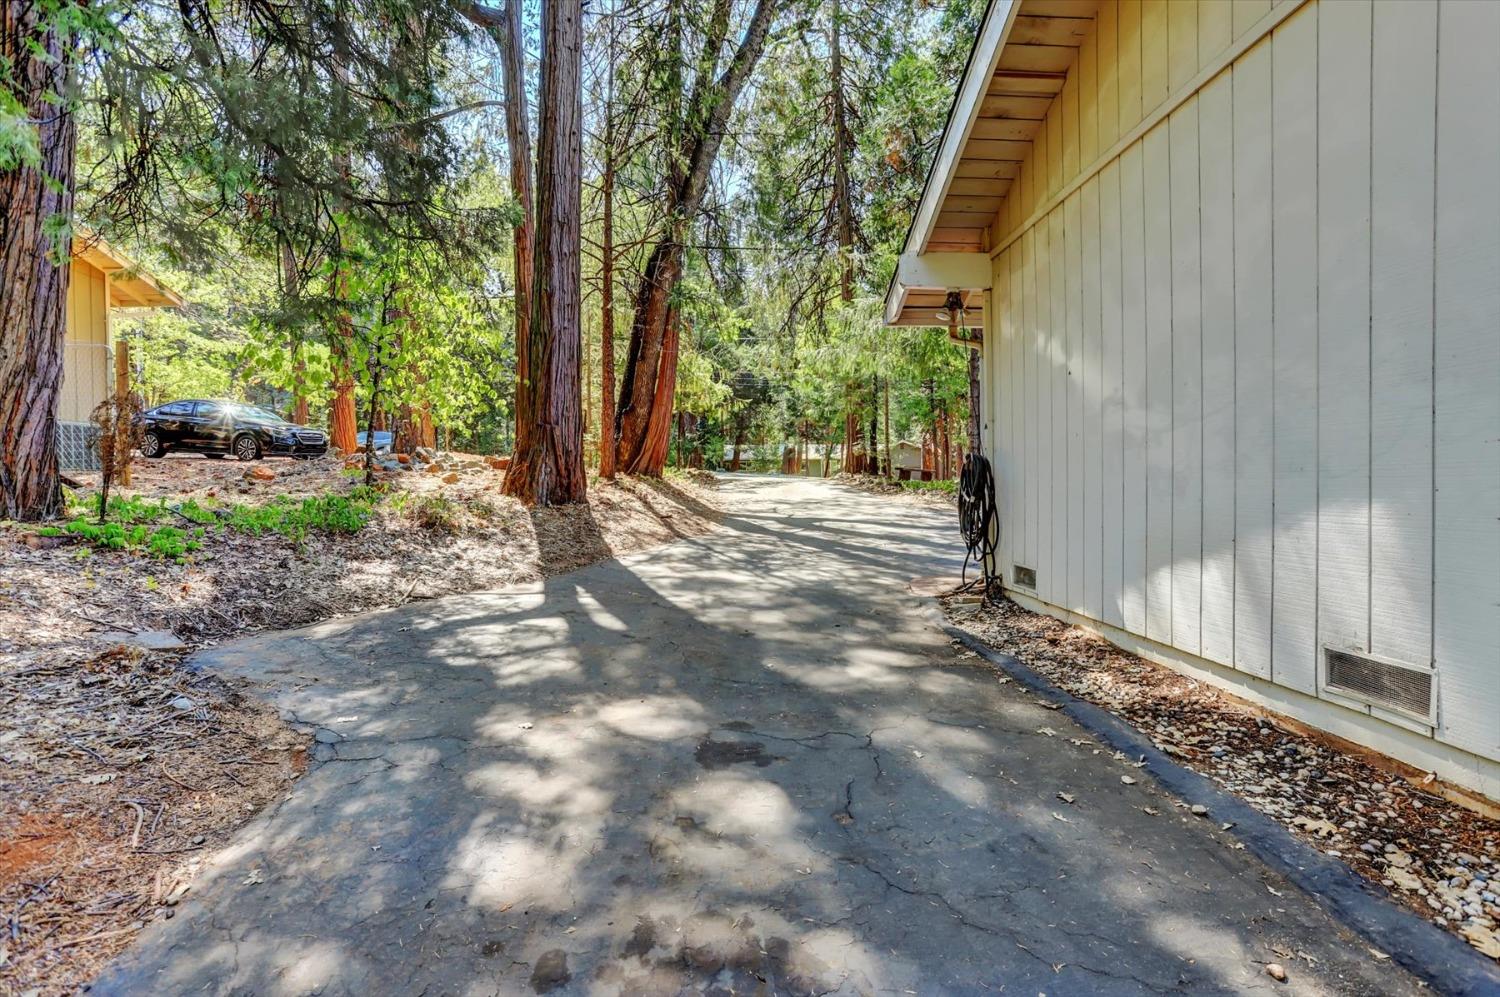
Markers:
point(745, 763)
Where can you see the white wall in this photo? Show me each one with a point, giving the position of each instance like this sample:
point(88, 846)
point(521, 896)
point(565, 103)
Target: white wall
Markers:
point(1243, 375)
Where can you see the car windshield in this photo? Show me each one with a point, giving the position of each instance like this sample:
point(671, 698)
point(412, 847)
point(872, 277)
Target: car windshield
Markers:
point(256, 412)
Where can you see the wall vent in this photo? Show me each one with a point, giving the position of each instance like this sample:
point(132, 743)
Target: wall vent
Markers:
point(1407, 689)
point(1024, 577)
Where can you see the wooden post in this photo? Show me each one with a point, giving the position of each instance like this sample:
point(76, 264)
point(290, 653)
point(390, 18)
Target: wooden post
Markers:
point(122, 391)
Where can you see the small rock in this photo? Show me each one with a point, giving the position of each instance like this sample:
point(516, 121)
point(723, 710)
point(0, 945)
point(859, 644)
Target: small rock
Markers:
point(260, 474)
point(150, 640)
point(1128, 780)
point(550, 971)
point(183, 703)
point(1276, 972)
point(1199, 810)
point(450, 478)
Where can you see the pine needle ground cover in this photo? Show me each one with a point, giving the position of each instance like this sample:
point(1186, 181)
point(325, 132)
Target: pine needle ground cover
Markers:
point(120, 768)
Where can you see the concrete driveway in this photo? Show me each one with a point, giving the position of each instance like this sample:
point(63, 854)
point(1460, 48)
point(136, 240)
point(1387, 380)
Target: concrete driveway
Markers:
point(739, 764)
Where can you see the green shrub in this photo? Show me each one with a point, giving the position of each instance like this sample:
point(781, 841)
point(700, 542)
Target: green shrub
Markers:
point(191, 510)
point(294, 519)
point(931, 486)
point(137, 524)
point(161, 541)
point(435, 512)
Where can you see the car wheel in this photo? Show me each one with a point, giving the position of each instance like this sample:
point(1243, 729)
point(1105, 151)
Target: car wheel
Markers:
point(152, 446)
point(246, 447)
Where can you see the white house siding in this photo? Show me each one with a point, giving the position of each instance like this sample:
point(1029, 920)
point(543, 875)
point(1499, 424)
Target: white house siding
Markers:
point(1242, 374)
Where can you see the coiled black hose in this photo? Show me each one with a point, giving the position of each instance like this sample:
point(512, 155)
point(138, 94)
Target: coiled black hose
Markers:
point(978, 520)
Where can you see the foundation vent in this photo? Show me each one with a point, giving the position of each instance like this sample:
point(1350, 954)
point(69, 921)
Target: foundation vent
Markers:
point(1388, 684)
point(76, 446)
point(1024, 577)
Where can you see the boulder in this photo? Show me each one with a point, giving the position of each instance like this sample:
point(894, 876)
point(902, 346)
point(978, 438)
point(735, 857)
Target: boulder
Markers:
point(402, 458)
point(260, 473)
point(451, 478)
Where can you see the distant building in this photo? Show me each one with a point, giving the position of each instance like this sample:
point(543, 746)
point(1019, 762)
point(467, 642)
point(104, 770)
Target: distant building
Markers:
point(102, 280)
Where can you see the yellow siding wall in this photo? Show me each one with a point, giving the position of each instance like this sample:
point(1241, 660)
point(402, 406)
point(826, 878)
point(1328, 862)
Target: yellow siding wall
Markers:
point(86, 354)
point(88, 305)
point(1244, 362)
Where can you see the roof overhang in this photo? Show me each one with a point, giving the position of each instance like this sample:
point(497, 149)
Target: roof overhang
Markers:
point(923, 281)
point(130, 285)
point(1016, 68)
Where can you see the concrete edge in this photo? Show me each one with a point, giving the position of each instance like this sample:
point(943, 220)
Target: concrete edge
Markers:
point(1449, 964)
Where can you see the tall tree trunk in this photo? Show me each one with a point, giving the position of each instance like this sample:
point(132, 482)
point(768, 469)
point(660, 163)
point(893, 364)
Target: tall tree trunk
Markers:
point(292, 287)
point(874, 464)
point(842, 144)
point(548, 466)
point(890, 457)
point(643, 421)
point(375, 378)
point(607, 281)
point(342, 418)
point(34, 268)
point(518, 136)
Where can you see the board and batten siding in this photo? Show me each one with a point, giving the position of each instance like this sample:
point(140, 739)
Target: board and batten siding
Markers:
point(87, 364)
point(1242, 375)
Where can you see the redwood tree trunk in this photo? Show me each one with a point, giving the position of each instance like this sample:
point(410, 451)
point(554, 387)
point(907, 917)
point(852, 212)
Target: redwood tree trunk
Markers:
point(342, 417)
point(643, 368)
point(517, 134)
point(342, 431)
point(643, 423)
point(548, 465)
point(34, 269)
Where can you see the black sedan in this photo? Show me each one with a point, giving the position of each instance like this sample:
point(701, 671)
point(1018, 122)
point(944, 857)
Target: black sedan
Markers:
point(218, 429)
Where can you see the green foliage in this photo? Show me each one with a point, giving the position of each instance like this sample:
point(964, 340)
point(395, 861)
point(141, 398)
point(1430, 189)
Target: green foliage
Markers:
point(950, 486)
point(163, 542)
point(141, 525)
point(203, 350)
point(432, 511)
point(294, 519)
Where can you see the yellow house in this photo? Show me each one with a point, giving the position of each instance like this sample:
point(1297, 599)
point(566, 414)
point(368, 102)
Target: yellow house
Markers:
point(102, 280)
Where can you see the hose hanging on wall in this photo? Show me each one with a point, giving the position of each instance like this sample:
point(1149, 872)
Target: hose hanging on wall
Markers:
point(978, 521)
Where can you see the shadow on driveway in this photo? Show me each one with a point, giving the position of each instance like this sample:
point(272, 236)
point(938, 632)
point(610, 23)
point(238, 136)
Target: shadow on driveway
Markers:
point(742, 763)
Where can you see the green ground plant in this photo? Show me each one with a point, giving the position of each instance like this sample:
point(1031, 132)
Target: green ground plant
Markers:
point(155, 527)
point(931, 486)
